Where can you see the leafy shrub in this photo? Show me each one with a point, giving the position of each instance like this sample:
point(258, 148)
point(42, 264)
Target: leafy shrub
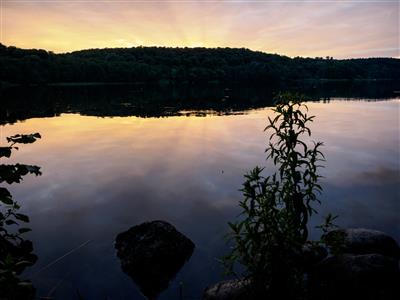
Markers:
point(270, 237)
point(15, 252)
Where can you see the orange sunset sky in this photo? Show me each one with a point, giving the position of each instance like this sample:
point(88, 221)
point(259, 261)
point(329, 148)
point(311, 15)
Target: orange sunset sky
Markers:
point(342, 29)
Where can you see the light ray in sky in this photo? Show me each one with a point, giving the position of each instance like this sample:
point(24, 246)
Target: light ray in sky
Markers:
point(295, 28)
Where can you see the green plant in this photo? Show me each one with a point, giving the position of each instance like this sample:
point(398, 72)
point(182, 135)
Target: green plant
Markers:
point(332, 240)
point(269, 238)
point(15, 252)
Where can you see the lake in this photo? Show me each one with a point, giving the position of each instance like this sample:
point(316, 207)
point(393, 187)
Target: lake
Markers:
point(113, 158)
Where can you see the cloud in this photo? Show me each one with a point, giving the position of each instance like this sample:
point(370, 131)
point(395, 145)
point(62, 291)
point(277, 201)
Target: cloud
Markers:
point(304, 28)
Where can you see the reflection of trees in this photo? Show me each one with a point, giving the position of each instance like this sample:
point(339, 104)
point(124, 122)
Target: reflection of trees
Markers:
point(156, 101)
point(15, 251)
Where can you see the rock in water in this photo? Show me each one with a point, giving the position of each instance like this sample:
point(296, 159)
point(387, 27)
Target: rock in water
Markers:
point(235, 289)
point(364, 241)
point(367, 269)
point(152, 253)
point(349, 276)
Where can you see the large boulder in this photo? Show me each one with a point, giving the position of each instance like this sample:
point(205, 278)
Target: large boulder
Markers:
point(152, 253)
point(349, 276)
point(364, 241)
point(368, 267)
point(235, 289)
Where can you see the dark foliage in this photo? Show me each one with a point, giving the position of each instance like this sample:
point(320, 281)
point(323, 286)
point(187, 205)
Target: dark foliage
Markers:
point(181, 65)
point(270, 238)
point(15, 251)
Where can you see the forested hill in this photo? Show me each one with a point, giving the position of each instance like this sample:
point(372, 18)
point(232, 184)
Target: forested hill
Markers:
point(181, 65)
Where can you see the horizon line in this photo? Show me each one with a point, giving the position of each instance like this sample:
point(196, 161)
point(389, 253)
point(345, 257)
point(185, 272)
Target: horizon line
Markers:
point(202, 47)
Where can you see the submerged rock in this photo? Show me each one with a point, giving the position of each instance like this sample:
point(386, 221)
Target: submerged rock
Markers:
point(235, 289)
point(152, 253)
point(364, 241)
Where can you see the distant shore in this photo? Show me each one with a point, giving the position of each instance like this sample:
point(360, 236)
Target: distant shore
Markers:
point(183, 66)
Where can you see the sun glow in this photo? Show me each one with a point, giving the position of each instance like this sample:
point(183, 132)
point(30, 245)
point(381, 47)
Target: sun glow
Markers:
point(300, 28)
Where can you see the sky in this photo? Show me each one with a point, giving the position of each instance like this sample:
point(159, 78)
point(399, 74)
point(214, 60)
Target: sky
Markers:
point(309, 28)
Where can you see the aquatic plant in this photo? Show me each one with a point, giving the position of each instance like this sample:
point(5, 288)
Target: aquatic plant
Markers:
point(15, 251)
point(270, 236)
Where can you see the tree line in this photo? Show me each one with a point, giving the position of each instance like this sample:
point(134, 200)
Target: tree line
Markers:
point(181, 65)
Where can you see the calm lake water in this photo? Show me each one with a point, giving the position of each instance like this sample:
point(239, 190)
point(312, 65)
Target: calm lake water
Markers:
point(102, 175)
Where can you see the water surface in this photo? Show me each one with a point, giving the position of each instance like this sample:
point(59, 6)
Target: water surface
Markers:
point(102, 175)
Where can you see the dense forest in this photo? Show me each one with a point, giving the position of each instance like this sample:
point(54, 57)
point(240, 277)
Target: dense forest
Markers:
point(181, 65)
